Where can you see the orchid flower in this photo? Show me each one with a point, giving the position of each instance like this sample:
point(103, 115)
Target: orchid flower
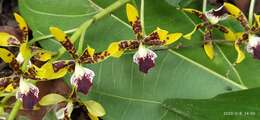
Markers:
point(210, 20)
point(24, 70)
point(249, 36)
point(144, 57)
point(82, 78)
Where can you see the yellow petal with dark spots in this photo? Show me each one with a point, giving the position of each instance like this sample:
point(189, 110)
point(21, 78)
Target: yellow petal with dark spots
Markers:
point(58, 34)
point(209, 50)
point(171, 38)
point(230, 36)
point(162, 33)
point(91, 51)
point(6, 55)
point(232, 9)
point(240, 54)
point(43, 55)
point(22, 25)
point(25, 51)
point(7, 39)
point(64, 40)
point(189, 35)
point(114, 50)
point(47, 71)
point(132, 13)
point(257, 20)
point(9, 88)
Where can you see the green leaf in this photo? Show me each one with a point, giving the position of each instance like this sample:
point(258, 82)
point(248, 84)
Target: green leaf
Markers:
point(94, 108)
point(242, 105)
point(51, 99)
point(179, 3)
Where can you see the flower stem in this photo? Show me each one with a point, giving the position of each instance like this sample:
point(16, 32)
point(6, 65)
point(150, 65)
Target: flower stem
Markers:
point(15, 109)
point(89, 22)
point(204, 8)
point(251, 12)
point(142, 15)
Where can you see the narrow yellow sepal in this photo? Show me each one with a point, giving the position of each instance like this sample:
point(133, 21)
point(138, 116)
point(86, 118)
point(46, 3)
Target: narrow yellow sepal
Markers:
point(171, 38)
point(190, 10)
point(91, 51)
point(58, 34)
point(162, 33)
point(132, 13)
point(240, 54)
point(257, 20)
point(209, 50)
point(47, 72)
point(5, 38)
point(23, 27)
point(9, 88)
point(189, 35)
point(232, 9)
point(230, 35)
point(95, 108)
point(43, 55)
point(6, 55)
point(114, 51)
point(21, 22)
point(25, 51)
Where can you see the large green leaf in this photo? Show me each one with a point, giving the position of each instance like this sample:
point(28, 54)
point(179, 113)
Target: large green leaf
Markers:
point(124, 91)
point(242, 105)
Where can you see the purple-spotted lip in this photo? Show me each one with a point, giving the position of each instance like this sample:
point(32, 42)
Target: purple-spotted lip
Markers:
point(253, 46)
point(28, 94)
point(82, 78)
point(145, 58)
point(256, 52)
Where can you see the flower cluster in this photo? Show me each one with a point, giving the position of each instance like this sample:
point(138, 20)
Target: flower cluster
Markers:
point(27, 71)
point(21, 64)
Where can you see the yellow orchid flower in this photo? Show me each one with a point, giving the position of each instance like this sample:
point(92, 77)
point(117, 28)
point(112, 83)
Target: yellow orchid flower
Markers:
point(82, 77)
point(210, 20)
point(158, 37)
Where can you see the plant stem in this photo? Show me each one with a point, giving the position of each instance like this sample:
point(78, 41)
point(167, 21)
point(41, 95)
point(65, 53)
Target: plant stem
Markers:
point(81, 41)
point(251, 12)
point(89, 22)
point(15, 109)
point(6, 98)
point(204, 8)
point(142, 16)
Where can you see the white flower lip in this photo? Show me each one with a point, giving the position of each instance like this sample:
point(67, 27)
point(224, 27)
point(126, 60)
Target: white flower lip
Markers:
point(145, 58)
point(253, 42)
point(82, 78)
point(28, 94)
point(216, 15)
